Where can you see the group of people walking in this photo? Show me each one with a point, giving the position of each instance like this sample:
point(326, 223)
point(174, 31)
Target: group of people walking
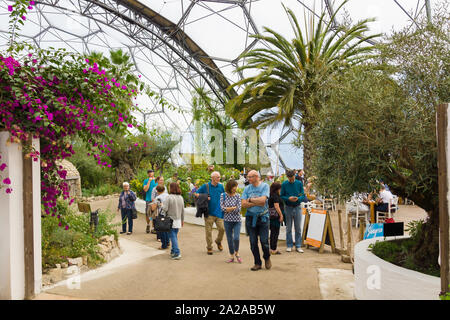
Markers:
point(266, 208)
point(158, 200)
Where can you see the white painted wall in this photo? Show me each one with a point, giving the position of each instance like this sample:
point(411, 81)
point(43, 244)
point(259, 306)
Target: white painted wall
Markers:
point(448, 177)
point(12, 268)
point(376, 279)
point(37, 221)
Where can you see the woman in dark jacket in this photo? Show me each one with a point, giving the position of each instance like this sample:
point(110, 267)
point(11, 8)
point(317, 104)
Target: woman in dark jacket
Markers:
point(275, 203)
point(126, 206)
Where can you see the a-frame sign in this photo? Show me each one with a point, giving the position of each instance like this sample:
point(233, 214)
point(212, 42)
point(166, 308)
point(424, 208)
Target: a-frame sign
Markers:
point(320, 231)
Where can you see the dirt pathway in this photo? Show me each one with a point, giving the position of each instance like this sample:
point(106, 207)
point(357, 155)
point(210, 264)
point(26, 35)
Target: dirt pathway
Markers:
point(199, 276)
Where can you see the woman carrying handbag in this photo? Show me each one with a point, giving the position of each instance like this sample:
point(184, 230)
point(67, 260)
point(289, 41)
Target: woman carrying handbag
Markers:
point(161, 223)
point(174, 208)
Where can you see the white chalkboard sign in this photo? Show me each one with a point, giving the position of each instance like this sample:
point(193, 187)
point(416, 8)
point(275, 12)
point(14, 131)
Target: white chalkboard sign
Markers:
point(319, 230)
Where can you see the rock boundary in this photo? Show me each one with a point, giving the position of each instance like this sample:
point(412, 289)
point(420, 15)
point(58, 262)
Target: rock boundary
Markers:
point(108, 248)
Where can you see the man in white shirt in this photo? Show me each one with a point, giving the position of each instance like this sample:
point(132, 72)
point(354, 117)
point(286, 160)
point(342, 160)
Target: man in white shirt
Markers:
point(385, 197)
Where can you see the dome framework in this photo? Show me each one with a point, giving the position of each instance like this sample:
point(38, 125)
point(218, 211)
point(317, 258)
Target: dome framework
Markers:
point(177, 45)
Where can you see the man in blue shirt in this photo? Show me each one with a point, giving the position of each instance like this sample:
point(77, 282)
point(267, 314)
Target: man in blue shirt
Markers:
point(148, 186)
point(254, 198)
point(293, 194)
point(215, 213)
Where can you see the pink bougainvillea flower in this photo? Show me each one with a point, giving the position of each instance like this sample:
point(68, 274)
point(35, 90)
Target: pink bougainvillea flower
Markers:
point(3, 166)
point(49, 115)
point(32, 2)
point(110, 125)
point(67, 228)
point(60, 224)
point(10, 8)
point(6, 181)
point(8, 190)
point(24, 18)
point(130, 125)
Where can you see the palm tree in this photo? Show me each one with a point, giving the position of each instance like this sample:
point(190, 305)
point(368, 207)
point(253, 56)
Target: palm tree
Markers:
point(292, 77)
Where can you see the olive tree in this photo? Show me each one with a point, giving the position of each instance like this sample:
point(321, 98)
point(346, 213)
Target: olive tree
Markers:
point(381, 123)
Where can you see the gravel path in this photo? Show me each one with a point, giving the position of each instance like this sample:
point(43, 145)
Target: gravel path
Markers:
point(200, 276)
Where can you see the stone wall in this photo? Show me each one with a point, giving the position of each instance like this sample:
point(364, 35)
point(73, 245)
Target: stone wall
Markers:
point(108, 249)
point(73, 178)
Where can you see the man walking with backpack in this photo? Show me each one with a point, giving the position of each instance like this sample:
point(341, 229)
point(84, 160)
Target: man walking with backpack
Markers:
point(215, 215)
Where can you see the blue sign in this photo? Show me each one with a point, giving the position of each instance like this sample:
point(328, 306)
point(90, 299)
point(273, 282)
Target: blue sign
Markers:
point(374, 230)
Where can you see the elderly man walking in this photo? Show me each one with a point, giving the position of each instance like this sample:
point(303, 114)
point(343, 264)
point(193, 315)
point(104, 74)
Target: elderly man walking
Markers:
point(257, 220)
point(214, 188)
point(293, 194)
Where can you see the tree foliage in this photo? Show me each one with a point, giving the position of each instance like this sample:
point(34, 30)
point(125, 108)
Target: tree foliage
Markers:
point(380, 122)
point(292, 76)
point(160, 148)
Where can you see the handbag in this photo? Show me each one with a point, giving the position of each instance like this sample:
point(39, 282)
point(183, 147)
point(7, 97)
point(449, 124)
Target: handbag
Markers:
point(273, 213)
point(134, 213)
point(163, 223)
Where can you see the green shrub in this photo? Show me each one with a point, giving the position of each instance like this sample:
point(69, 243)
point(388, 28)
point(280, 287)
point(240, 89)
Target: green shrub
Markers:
point(399, 252)
point(199, 173)
point(387, 250)
point(92, 175)
point(101, 190)
point(79, 240)
point(414, 228)
point(137, 186)
point(445, 296)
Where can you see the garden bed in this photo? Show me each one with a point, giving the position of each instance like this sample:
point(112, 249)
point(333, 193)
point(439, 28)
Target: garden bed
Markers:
point(77, 244)
point(399, 252)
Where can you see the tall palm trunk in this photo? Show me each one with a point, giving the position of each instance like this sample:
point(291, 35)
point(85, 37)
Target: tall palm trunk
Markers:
point(307, 149)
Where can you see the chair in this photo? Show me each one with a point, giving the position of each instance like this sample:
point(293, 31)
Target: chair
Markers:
point(329, 203)
point(358, 214)
point(392, 207)
point(308, 205)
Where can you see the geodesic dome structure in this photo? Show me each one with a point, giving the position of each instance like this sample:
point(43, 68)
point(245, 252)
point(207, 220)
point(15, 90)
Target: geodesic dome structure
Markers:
point(179, 45)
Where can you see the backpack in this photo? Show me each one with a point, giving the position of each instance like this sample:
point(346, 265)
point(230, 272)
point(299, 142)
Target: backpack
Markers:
point(203, 204)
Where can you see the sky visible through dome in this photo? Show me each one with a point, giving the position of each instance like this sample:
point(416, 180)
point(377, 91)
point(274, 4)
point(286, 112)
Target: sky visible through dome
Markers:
point(221, 28)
